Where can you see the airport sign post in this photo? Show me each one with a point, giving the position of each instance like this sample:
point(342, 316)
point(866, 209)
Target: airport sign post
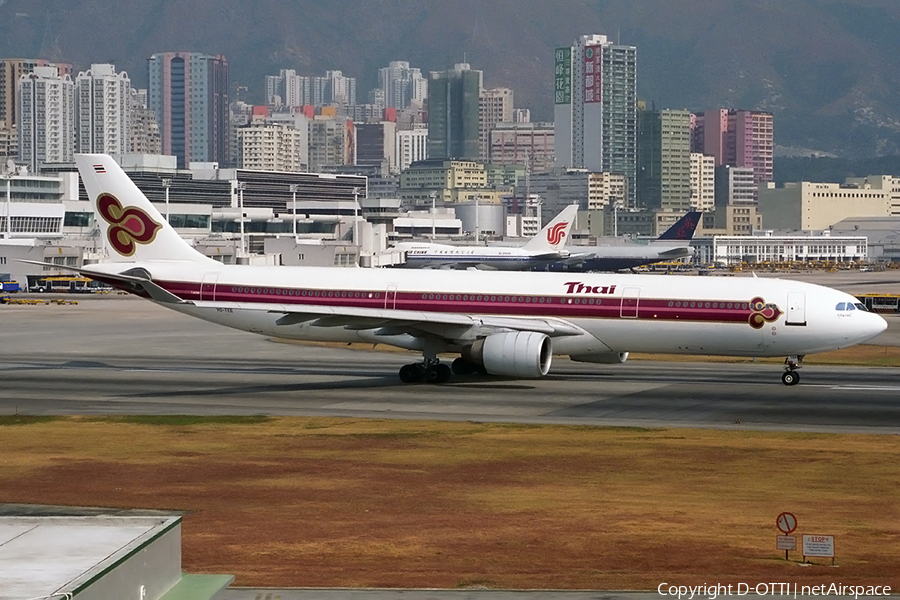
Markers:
point(786, 523)
point(786, 543)
point(818, 545)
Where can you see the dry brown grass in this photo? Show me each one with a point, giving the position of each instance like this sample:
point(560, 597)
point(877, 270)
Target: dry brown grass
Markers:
point(344, 502)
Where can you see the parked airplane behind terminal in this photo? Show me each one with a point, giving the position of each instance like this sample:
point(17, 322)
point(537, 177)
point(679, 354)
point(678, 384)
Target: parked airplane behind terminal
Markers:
point(546, 247)
point(502, 323)
point(674, 243)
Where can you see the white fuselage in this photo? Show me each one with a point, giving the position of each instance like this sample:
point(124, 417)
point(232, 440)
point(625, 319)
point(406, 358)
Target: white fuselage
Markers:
point(737, 316)
point(436, 256)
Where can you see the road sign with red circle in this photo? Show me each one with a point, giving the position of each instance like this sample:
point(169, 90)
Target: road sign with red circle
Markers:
point(786, 523)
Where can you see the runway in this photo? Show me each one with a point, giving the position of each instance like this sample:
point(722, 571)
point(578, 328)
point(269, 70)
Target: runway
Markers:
point(126, 356)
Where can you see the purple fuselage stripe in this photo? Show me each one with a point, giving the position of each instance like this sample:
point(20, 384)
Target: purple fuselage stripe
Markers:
point(565, 306)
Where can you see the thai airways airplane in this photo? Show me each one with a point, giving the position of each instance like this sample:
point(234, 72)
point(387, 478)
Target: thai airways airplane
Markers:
point(674, 243)
point(501, 323)
point(544, 248)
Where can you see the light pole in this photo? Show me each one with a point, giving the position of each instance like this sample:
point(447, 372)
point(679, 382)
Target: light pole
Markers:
point(240, 186)
point(356, 218)
point(166, 183)
point(8, 178)
point(433, 195)
point(477, 226)
point(294, 188)
point(615, 218)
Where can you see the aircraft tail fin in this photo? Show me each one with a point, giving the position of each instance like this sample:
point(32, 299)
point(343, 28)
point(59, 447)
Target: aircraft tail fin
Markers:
point(554, 236)
point(132, 229)
point(683, 229)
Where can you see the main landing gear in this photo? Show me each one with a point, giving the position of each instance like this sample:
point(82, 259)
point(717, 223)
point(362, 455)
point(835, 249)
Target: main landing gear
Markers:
point(790, 375)
point(429, 371)
point(432, 370)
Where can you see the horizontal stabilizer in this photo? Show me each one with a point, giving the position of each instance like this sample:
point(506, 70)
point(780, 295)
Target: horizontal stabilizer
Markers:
point(130, 283)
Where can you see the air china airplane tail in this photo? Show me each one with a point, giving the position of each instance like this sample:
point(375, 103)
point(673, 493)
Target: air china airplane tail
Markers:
point(553, 237)
point(496, 322)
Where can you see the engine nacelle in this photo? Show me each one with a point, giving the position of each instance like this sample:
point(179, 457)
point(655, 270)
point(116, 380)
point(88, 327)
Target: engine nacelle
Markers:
point(607, 358)
point(515, 354)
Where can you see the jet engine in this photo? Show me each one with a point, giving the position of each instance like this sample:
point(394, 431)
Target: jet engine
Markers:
point(607, 358)
point(513, 354)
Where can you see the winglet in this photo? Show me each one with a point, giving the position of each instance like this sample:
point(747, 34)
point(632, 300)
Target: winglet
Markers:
point(683, 229)
point(554, 236)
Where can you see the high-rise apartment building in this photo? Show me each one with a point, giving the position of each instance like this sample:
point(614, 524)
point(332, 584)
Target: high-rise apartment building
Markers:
point(738, 138)
point(11, 71)
point(189, 94)
point(271, 146)
point(735, 185)
point(144, 131)
point(375, 145)
point(529, 144)
point(494, 106)
point(330, 142)
point(46, 118)
point(289, 90)
point(102, 111)
point(560, 187)
point(401, 84)
point(703, 182)
point(411, 146)
point(595, 97)
point(337, 89)
point(453, 102)
point(664, 160)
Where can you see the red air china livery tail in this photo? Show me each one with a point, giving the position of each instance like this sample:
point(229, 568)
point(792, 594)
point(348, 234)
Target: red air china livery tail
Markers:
point(501, 323)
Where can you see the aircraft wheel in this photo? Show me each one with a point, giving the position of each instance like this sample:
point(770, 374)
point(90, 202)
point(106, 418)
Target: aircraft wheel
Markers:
point(461, 366)
point(438, 373)
point(790, 378)
point(411, 373)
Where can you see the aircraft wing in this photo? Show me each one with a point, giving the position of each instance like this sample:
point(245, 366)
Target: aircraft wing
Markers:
point(450, 326)
point(679, 252)
point(577, 259)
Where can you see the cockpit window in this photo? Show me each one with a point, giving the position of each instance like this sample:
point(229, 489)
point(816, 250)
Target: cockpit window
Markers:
point(844, 306)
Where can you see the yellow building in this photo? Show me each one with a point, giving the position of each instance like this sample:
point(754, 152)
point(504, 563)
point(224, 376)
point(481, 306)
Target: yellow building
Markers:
point(445, 180)
point(810, 206)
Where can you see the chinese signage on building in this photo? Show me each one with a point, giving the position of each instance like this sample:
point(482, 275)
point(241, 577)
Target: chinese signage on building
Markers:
point(592, 72)
point(562, 84)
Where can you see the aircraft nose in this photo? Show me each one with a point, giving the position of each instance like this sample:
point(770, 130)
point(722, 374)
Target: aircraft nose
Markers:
point(879, 325)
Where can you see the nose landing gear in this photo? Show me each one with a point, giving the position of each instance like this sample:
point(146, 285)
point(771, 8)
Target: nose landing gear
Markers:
point(790, 375)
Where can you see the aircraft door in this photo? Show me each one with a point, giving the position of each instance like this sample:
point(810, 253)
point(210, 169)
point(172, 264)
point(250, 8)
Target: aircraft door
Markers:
point(796, 309)
point(208, 287)
point(631, 297)
point(390, 296)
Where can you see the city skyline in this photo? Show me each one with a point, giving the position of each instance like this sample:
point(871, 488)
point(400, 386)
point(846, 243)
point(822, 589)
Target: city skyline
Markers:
point(832, 98)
